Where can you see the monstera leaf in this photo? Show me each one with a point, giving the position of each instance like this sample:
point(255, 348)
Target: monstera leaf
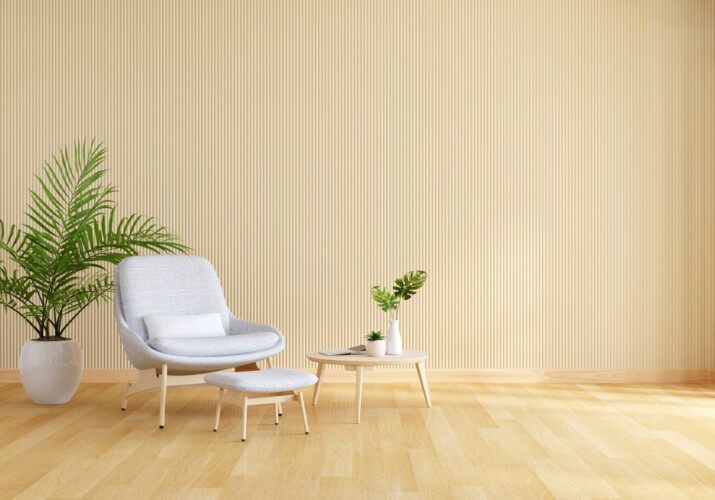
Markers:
point(386, 300)
point(404, 289)
point(408, 285)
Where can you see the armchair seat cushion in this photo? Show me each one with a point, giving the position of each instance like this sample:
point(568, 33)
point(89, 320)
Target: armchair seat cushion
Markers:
point(229, 345)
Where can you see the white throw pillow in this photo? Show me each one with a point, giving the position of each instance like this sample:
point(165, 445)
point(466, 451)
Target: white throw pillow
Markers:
point(181, 326)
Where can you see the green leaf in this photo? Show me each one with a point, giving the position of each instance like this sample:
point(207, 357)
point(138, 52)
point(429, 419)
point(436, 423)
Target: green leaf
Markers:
point(70, 240)
point(408, 285)
point(386, 300)
point(374, 335)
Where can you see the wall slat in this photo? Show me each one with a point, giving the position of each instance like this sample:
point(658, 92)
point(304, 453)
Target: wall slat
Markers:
point(549, 163)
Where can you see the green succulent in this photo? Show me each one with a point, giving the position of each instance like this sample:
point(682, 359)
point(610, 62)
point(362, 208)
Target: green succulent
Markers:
point(372, 336)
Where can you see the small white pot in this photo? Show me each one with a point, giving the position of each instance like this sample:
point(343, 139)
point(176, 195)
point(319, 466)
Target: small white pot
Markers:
point(51, 370)
point(375, 348)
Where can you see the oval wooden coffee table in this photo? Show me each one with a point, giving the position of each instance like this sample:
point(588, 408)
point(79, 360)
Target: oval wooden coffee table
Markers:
point(359, 362)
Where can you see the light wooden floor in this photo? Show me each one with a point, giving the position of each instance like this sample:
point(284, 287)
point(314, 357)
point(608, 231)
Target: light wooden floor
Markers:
point(477, 441)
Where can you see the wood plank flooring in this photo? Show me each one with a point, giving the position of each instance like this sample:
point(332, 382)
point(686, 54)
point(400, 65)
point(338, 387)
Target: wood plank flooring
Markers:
point(477, 441)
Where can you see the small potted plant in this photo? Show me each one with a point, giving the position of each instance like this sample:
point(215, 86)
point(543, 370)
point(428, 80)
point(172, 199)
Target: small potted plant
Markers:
point(375, 344)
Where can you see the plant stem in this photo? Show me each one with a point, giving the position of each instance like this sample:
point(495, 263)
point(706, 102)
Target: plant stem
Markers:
point(26, 320)
point(67, 323)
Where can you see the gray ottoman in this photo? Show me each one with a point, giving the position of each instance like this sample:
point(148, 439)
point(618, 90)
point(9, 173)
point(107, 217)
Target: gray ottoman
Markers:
point(275, 385)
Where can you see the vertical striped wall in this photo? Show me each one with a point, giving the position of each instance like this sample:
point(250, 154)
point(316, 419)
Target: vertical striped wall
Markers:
point(549, 163)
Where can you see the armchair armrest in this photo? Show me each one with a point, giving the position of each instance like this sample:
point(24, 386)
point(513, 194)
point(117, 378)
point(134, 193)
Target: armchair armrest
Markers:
point(135, 347)
point(239, 326)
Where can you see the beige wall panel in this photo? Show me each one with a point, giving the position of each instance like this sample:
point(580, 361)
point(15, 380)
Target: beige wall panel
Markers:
point(549, 163)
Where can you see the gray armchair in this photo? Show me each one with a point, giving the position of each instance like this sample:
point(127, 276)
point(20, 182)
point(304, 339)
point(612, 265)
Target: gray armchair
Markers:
point(177, 285)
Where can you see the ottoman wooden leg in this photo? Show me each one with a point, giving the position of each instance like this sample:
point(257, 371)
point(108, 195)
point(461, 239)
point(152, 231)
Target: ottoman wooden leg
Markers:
point(245, 416)
point(218, 407)
point(276, 408)
point(302, 408)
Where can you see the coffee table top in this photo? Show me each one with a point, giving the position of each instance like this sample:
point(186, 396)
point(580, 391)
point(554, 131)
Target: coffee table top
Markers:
point(365, 360)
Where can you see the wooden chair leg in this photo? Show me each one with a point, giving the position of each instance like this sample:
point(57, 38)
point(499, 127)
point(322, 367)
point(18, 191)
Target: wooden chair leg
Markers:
point(162, 402)
point(245, 416)
point(276, 408)
point(126, 396)
point(218, 407)
point(302, 408)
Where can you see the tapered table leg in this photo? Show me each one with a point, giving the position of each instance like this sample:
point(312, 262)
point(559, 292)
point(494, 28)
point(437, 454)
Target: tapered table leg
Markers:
point(321, 367)
point(358, 395)
point(423, 380)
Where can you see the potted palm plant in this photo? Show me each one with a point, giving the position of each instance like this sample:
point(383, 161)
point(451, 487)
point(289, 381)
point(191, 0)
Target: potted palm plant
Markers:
point(56, 265)
point(389, 301)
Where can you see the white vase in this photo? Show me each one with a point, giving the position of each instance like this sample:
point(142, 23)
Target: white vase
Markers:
point(51, 370)
point(375, 348)
point(394, 340)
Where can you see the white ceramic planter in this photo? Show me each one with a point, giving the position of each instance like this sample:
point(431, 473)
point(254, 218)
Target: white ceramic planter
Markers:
point(51, 370)
point(375, 348)
point(394, 339)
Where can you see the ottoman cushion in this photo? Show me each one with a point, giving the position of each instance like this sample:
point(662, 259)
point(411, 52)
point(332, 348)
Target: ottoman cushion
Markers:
point(272, 380)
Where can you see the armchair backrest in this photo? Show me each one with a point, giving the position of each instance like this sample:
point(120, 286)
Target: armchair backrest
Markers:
point(167, 284)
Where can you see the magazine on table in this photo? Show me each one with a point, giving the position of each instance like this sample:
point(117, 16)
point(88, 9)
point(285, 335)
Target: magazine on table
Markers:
point(358, 349)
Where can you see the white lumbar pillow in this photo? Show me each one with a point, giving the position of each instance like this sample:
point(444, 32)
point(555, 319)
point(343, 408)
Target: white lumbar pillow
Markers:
point(182, 326)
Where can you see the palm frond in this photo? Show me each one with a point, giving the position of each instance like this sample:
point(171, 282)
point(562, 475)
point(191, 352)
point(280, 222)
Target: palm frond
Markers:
point(72, 235)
